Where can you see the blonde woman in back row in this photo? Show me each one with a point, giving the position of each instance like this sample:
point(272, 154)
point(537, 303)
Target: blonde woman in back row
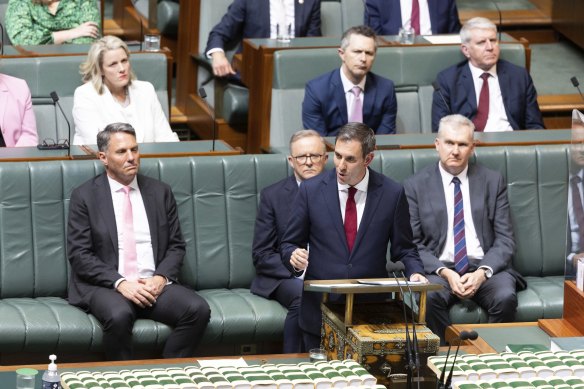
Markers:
point(112, 94)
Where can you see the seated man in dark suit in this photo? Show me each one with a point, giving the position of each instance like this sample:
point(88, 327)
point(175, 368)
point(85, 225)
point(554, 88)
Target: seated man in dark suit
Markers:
point(273, 280)
point(462, 226)
point(342, 223)
point(430, 17)
point(575, 248)
point(260, 19)
point(495, 94)
point(126, 248)
point(351, 93)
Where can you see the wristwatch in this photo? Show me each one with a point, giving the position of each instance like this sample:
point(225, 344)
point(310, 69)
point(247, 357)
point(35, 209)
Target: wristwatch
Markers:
point(488, 272)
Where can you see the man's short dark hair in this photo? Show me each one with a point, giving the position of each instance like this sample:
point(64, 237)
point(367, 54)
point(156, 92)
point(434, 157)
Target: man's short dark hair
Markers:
point(358, 30)
point(103, 137)
point(359, 132)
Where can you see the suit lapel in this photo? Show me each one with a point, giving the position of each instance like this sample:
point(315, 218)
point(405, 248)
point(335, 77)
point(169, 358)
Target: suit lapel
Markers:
point(370, 97)
point(291, 189)
point(374, 191)
point(103, 197)
point(466, 85)
point(438, 204)
point(339, 95)
point(476, 187)
point(151, 206)
point(3, 101)
point(330, 192)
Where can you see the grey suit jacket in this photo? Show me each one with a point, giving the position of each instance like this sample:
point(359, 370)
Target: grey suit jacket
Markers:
point(92, 239)
point(490, 213)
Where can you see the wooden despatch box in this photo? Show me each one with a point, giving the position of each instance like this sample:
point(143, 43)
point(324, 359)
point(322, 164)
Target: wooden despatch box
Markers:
point(376, 339)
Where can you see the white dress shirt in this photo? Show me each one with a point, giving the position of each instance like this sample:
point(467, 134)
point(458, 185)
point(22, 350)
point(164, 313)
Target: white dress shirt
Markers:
point(146, 264)
point(574, 228)
point(360, 197)
point(473, 245)
point(349, 95)
point(497, 120)
point(406, 16)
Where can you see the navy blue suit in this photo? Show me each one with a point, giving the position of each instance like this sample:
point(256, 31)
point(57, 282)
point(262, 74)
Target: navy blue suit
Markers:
point(324, 108)
point(519, 95)
point(273, 279)
point(317, 221)
point(251, 19)
point(384, 16)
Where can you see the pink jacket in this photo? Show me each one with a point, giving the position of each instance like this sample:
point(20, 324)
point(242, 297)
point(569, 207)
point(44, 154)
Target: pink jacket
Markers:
point(17, 119)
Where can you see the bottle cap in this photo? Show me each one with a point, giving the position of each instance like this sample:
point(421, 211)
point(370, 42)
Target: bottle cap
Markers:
point(52, 365)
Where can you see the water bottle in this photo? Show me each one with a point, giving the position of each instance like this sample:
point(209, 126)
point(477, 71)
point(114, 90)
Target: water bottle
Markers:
point(51, 377)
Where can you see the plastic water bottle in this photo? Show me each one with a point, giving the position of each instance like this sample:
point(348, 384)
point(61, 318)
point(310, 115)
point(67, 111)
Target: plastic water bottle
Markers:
point(51, 377)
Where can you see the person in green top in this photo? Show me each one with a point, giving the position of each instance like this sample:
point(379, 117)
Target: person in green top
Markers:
point(37, 22)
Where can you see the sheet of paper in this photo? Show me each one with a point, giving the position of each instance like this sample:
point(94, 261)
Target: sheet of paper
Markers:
point(222, 362)
point(443, 39)
point(388, 282)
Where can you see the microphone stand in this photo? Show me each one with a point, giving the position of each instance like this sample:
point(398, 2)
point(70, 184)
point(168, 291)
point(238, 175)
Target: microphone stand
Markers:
point(408, 349)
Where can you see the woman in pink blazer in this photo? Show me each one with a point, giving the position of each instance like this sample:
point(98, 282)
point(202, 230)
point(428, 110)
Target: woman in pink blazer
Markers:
point(17, 120)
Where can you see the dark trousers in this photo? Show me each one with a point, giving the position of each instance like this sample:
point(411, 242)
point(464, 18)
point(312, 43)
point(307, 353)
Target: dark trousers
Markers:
point(289, 294)
point(177, 306)
point(497, 296)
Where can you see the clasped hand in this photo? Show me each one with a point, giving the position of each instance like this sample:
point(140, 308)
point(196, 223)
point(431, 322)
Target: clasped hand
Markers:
point(464, 286)
point(144, 291)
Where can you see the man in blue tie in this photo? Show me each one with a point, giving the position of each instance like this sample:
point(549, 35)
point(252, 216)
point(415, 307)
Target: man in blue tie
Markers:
point(462, 226)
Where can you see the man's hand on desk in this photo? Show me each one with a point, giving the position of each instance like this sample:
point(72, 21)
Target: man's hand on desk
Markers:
point(417, 277)
point(299, 259)
point(221, 65)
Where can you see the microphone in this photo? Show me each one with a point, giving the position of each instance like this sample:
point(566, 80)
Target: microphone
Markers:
point(55, 98)
point(500, 18)
point(203, 94)
point(464, 335)
point(410, 365)
point(414, 333)
point(1, 39)
point(577, 85)
point(436, 87)
point(141, 34)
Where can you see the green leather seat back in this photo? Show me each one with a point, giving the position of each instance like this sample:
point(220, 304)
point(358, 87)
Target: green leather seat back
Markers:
point(61, 74)
point(331, 18)
point(352, 12)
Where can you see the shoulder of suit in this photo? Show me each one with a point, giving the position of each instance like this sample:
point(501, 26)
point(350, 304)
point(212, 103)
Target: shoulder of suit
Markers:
point(276, 186)
point(141, 85)
point(379, 80)
point(14, 81)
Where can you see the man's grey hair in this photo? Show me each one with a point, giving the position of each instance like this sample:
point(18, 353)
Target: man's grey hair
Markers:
point(473, 24)
point(359, 132)
point(454, 122)
point(358, 30)
point(104, 136)
point(306, 134)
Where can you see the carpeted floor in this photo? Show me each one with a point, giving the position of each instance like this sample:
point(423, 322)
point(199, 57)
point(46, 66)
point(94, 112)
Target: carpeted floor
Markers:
point(552, 66)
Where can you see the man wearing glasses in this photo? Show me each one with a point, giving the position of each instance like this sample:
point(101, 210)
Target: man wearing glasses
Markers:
point(273, 280)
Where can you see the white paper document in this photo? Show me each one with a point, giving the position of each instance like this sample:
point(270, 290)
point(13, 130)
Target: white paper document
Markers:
point(443, 39)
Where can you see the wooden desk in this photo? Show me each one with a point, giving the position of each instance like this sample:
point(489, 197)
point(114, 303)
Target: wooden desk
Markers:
point(572, 323)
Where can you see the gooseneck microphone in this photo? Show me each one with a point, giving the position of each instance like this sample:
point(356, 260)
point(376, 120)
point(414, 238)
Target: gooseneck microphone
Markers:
point(464, 335)
point(1, 39)
point(437, 89)
point(410, 364)
point(203, 95)
point(500, 18)
point(55, 98)
point(577, 85)
point(414, 332)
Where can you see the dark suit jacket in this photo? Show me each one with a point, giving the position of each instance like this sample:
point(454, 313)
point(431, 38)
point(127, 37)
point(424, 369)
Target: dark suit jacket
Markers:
point(519, 95)
point(275, 203)
point(324, 108)
point(384, 16)
point(317, 221)
point(490, 213)
point(251, 19)
point(92, 241)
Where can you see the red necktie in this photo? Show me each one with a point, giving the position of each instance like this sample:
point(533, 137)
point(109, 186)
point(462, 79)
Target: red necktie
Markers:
point(415, 19)
point(480, 120)
point(351, 218)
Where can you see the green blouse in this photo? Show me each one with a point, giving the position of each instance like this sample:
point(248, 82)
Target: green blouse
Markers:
point(32, 24)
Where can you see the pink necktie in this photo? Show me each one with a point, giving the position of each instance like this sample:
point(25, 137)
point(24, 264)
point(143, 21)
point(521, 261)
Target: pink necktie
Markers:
point(357, 112)
point(415, 20)
point(130, 255)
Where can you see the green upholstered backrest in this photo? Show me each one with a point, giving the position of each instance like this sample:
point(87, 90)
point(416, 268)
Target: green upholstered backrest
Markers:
point(412, 69)
point(61, 74)
point(330, 18)
point(217, 201)
point(352, 13)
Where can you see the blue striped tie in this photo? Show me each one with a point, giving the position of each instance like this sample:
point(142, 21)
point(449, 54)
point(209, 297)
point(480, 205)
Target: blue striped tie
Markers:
point(460, 258)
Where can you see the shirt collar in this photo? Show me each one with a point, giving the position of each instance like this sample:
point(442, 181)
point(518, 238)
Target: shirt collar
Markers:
point(361, 186)
point(447, 177)
point(115, 186)
point(477, 72)
point(348, 85)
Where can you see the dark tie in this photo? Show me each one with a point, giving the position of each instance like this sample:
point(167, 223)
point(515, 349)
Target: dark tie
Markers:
point(480, 120)
point(460, 258)
point(415, 20)
point(578, 210)
point(351, 218)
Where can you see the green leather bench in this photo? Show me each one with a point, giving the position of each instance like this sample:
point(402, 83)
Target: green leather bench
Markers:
point(412, 69)
point(217, 199)
point(61, 74)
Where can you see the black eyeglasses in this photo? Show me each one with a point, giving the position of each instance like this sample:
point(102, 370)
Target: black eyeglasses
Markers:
point(50, 144)
point(314, 158)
